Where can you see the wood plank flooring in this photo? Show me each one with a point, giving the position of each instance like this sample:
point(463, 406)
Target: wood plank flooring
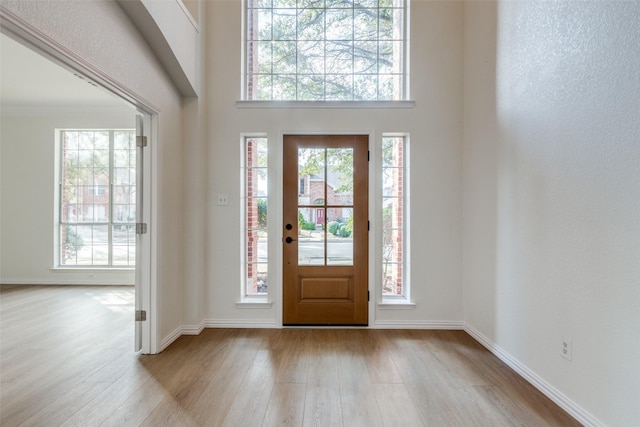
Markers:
point(66, 359)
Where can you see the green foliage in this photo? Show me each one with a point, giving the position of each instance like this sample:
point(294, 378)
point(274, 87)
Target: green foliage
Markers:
point(386, 218)
point(343, 231)
point(341, 160)
point(303, 224)
point(387, 152)
point(73, 242)
point(308, 225)
point(349, 225)
point(332, 227)
point(262, 213)
point(312, 161)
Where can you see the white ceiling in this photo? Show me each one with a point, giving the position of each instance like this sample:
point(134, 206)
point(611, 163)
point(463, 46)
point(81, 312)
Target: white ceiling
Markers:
point(28, 79)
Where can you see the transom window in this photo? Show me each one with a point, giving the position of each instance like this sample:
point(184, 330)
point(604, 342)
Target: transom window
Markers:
point(97, 198)
point(325, 50)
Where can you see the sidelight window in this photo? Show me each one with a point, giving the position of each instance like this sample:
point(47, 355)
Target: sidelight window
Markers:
point(395, 199)
point(255, 178)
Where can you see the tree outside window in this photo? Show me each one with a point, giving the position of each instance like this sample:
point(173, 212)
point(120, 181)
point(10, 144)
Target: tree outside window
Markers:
point(325, 50)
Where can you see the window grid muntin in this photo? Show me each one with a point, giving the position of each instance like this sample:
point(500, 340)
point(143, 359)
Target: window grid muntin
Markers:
point(65, 225)
point(395, 81)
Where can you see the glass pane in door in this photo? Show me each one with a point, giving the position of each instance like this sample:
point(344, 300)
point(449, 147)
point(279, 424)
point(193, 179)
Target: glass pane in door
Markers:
point(311, 165)
point(340, 236)
point(340, 176)
point(310, 238)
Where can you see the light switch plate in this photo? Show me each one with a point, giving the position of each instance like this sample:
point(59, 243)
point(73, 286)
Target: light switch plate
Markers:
point(223, 200)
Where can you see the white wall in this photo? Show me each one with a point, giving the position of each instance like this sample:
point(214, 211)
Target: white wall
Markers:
point(435, 126)
point(172, 33)
point(27, 186)
point(196, 257)
point(552, 194)
point(100, 34)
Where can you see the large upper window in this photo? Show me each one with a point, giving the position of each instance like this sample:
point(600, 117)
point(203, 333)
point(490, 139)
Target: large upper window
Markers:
point(325, 50)
point(97, 198)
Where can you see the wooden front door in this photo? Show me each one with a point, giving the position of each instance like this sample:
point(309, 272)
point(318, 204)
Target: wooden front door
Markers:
point(325, 236)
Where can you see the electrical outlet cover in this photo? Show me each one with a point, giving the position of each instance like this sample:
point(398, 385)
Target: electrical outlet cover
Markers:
point(566, 349)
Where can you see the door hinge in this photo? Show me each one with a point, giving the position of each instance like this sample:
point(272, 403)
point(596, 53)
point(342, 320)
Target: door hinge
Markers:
point(141, 228)
point(368, 156)
point(141, 315)
point(141, 141)
point(368, 225)
point(368, 295)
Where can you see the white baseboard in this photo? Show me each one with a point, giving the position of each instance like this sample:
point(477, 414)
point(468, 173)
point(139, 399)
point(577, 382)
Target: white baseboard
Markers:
point(169, 339)
point(429, 324)
point(64, 282)
point(536, 380)
point(239, 324)
point(179, 331)
point(193, 329)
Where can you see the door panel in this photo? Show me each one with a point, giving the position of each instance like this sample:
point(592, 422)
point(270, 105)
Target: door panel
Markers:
point(325, 237)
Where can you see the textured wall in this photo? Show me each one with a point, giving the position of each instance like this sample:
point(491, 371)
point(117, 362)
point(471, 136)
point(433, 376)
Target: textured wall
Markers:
point(552, 193)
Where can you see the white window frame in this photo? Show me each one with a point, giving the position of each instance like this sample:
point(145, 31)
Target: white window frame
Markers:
point(247, 299)
point(58, 223)
point(402, 300)
point(405, 64)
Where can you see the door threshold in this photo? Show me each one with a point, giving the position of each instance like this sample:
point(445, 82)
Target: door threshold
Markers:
point(323, 326)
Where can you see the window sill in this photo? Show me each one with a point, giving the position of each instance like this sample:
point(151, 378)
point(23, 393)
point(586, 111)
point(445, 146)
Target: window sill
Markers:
point(326, 104)
point(91, 269)
point(396, 305)
point(254, 303)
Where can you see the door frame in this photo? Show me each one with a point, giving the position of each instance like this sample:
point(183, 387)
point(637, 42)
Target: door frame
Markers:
point(276, 226)
point(146, 280)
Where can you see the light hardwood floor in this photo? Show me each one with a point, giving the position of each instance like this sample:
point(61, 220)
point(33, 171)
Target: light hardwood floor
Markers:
point(66, 359)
